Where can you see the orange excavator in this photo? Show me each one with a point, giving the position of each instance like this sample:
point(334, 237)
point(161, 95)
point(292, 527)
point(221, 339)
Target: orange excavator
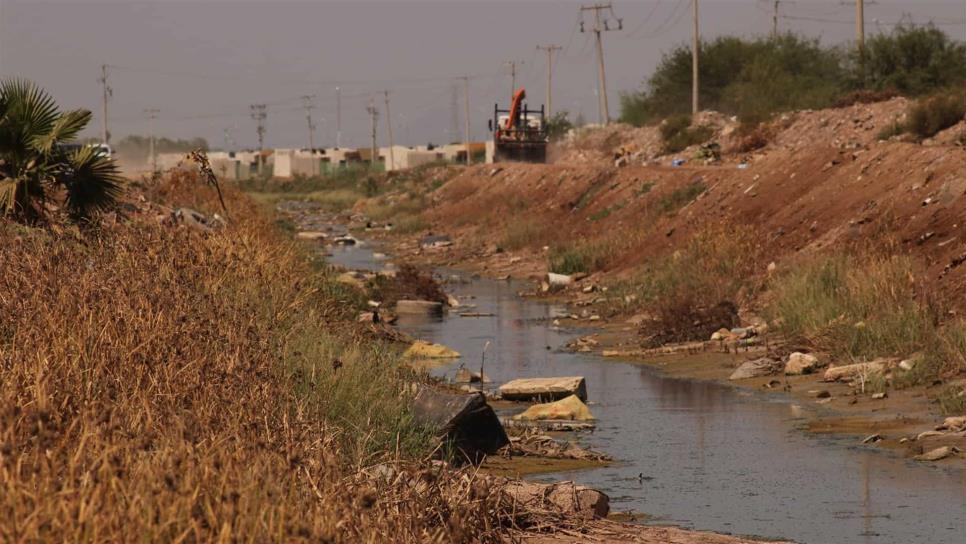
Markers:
point(519, 133)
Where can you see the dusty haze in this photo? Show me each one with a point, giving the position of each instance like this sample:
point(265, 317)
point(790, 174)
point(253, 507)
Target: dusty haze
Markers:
point(202, 63)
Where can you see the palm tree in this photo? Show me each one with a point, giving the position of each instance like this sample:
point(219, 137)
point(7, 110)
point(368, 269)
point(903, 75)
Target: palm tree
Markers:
point(36, 167)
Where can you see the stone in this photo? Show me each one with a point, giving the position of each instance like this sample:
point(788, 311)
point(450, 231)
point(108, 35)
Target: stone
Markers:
point(879, 396)
point(570, 409)
point(465, 420)
point(311, 235)
point(351, 278)
point(435, 241)
point(755, 369)
point(558, 280)
point(801, 363)
point(907, 364)
point(428, 308)
point(953, 423)
point(857, 370)
point(873, 438)
point(426, 350)
point(529, 389)
point(452, 301)
point(564, 498)
point(938, 454)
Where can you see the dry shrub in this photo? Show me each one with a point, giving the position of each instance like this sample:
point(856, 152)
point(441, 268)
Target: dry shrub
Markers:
point(697, 289)
point(935, 113)
point(409, 283)
point(865, 96)
point(167, 384)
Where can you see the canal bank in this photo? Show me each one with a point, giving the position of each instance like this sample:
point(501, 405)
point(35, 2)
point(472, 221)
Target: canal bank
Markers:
point(697, 453)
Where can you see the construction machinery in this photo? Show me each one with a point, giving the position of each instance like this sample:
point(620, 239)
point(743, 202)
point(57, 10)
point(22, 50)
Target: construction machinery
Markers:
point(519, 133)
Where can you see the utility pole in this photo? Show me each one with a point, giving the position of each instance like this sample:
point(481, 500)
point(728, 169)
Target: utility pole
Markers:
point(774, 21)
point(513, 75)
point(373, 115)
point(695, 54)
point(549, 49)
point(307, 104)
point(860, 37)
point(152, 114)
point(466, 117)
point(454, 112)
point(601, 25)
point(338, 117)
point(259, 113)
point(107, 93)
point(392, 155)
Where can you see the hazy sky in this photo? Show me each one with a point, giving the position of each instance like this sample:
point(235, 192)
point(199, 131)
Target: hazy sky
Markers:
point(202, 63)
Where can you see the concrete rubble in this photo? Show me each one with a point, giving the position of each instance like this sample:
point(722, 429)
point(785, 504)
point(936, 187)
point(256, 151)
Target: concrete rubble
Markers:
point(570, 408)
point(427, 350)
point(464, 419)
point(427, 308)
point(756, 368)
point(535, 389)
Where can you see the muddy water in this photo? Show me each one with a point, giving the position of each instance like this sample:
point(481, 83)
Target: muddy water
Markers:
point(712, 457)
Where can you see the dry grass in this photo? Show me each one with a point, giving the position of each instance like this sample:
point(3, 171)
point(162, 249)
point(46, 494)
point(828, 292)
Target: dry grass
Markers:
point(869, 305)
point(166, 384)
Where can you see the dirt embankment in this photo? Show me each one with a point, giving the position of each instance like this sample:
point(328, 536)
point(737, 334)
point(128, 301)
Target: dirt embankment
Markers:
point(823, 185)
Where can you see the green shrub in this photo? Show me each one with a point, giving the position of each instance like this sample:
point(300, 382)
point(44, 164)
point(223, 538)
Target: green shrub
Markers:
point(913, 60)
point(930, 115)
point(751, 78)
point(585, 257)
point(680, 197)
point(855, 308)
point(678, 135)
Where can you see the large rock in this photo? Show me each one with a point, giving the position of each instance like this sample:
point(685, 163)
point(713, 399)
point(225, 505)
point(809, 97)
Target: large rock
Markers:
point(566, 498)
point(801, 363)
point(426, 350)
point(570, 408)
point(419, 307)
point(544, 388)
point(938, 454)
point(848, 372)
point(756, 368)
point(465, 420)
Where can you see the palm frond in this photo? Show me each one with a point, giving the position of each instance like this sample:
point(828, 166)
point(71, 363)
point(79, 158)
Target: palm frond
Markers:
point(65, 128)
point(28, 112)
point(92, 181)
point(8, 195)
